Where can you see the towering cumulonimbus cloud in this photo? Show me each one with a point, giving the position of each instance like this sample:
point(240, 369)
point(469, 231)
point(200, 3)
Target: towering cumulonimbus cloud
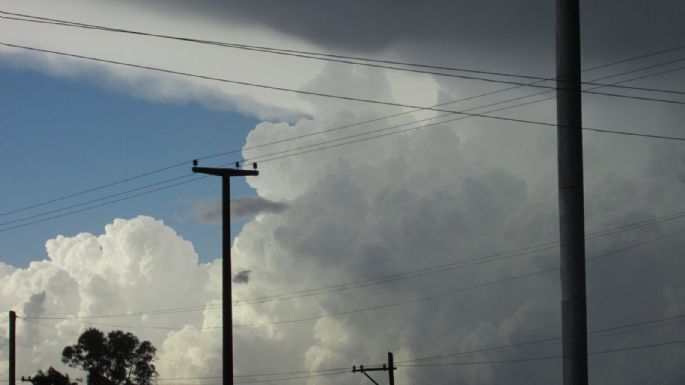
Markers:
point(435, 242)
point(432, 242)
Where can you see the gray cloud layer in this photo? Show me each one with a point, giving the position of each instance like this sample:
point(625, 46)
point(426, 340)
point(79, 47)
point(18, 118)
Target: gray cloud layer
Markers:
point(512, 29)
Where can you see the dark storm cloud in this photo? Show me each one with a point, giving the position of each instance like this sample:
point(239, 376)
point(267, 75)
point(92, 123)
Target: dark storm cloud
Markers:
point(242, 277)
point(514, 28)
point(373, 25)
point(244, 206)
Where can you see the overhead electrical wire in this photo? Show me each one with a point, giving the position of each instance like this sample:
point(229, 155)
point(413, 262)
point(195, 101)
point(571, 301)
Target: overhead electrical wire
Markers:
point(310, 93)
point(392, 277)
point(330, 57)
point(336, 128)
point(166, 181)
point(155, 171)
point(333, 96)
point(592, 353)
point(313, 93)
point(625, 328)
point(101, 204)
point(249, 378)
point(381, 306)
point(34, 18)
point(418, 362)
point(288, 153)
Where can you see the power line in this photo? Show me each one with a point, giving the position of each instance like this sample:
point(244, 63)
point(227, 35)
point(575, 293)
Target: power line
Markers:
point(387, 305)
point(258, 380)
point(597, 352)
point(166, 181)
point(321, 94)
point(100, 205)
point(347, 126)
point(289, 153)
point(625, 328)
point(270, 157)
point(399, 276)
point(416, 362)
point(333, 58)
point(100, 187)
point(304, 92)
point(316, 147)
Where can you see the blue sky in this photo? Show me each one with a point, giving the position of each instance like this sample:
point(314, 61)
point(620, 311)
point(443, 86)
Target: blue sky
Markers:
point(62, 135)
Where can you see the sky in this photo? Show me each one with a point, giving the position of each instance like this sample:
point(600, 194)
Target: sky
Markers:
point(371, 227)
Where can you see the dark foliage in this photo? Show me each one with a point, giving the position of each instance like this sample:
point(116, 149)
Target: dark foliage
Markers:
point(52, 377)
point(118, 358)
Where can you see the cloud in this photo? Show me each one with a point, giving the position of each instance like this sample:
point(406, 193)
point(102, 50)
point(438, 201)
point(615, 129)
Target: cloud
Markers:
point(209, 211)
point(456, 194)
point(137, 264)
point(242, 276)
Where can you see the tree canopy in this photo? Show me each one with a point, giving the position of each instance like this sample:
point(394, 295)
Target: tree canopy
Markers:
point(117, 358)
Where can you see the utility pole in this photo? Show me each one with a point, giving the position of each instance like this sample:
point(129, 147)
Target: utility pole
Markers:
point(390, 368)
point(13, 349)
point(571, 205)
point(226, 278)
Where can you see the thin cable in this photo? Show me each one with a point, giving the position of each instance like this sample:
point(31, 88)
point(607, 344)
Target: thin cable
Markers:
point(400, 276)
point(330, 57)
point(598, 352)
point(625, 328)
point(23, 219)
point(288, 153)
point(258, 380)
point(387, 305)
point(315, 147)
point(357, 124)
point(101, 204)
point(452, 292)
point(92, 189)
point(310, 93)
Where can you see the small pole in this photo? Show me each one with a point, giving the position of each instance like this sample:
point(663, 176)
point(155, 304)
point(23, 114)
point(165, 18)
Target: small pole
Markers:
point(391, 371)
point(226, 280)
point(13, 342)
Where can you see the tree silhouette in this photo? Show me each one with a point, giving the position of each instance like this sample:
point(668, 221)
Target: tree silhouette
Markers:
point(52, 377)
point(118, 358)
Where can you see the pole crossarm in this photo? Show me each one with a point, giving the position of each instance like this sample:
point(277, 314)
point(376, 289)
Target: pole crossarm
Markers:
point(225, 172)
point(390, 367)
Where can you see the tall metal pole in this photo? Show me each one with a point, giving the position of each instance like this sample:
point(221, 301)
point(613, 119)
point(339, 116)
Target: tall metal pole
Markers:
point(571, 205)
point(226, 277)
point(13, 342)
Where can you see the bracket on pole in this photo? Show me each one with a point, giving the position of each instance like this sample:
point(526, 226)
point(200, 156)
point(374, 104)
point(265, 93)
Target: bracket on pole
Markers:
point(390, 368)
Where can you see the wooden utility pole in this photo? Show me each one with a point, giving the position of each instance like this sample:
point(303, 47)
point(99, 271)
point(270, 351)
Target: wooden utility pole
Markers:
point(13, 349)
point(226, 278)
point(390, 368)
point(571, 202)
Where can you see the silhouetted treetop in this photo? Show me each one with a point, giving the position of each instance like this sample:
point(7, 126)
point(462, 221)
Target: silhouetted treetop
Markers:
point(52, 377)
